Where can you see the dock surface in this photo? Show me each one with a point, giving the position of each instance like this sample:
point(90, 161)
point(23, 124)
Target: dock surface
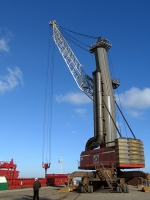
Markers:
point(51, 193)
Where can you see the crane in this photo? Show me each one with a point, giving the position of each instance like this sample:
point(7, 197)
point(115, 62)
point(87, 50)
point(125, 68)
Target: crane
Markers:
point(104, 152)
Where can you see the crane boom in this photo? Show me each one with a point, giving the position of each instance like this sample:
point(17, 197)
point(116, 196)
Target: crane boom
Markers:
point(83, 81)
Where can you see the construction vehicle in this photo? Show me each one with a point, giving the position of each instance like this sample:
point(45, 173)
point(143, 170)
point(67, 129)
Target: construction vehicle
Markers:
point(104, 153)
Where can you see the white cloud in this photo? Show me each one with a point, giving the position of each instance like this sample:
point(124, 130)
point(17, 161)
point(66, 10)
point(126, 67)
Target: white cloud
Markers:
point(11, 80)
point(81, 111)
point(136, 98)
point(74, 132)
point(74, 98)
point(4, 45)
point(135, 113)
point(5, 37)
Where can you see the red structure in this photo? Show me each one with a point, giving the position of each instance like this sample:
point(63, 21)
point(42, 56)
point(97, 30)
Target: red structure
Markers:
point(45, 166)
point(24, 183)
point(8, 169)
point(56, 179)
point(9, 173)
point(106, 156)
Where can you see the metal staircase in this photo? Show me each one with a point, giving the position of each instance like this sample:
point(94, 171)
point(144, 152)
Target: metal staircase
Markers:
point(104, 176)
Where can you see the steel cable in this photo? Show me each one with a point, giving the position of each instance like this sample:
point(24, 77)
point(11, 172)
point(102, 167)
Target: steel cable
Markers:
point(84, 35)
point(47, 120)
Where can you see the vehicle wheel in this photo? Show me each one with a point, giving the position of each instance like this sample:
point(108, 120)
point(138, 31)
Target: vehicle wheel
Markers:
point(118, 190)
point(81, 189)
point(91, 188)
point(84, 189)
point(124, 188)
point(127, 188)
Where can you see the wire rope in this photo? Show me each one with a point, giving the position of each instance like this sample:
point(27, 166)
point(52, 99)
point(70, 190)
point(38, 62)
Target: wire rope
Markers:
point(84, 35)
point(69, 39)
point(62, 31)
point(47, 120)
point(117, 93)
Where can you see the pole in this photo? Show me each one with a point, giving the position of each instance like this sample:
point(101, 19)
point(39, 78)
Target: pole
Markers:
point(61, 164)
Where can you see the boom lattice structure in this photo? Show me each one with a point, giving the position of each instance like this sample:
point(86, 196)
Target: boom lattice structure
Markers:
point(83, 81)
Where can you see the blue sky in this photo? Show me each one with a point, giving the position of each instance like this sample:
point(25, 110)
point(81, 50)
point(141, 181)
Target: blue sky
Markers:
point(26, 52)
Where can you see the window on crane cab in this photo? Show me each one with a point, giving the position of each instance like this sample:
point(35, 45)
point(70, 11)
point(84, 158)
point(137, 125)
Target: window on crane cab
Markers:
point(87, 158)
point(105, 156)
point(111, 155)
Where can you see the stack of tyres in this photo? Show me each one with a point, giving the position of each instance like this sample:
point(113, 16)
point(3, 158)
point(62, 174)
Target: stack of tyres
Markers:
point(129, 153)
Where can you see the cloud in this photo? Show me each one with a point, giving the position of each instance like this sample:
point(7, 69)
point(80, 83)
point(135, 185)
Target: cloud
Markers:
point(11, 80)
point(4, 45)
point(74, 132)
point(5, 37)
point(74, 98)
point(135, 113)
point(69, 124)
point(135, 98)
point(81, 111)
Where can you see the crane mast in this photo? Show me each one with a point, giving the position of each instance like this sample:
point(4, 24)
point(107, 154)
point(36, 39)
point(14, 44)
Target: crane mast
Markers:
point(83, 81)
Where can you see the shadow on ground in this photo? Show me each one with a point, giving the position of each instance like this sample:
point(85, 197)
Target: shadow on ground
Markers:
point(30, 198)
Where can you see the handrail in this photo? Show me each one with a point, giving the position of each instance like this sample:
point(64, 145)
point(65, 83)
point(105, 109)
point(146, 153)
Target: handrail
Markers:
point(106, 172)
point(107, 164)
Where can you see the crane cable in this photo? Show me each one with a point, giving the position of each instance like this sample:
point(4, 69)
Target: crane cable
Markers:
point(68, 37)
point(117, 93)
point(94, 37)
point(47, 120)
point(74, 40)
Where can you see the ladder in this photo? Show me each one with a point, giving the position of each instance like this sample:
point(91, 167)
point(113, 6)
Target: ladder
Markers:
point(104, 176)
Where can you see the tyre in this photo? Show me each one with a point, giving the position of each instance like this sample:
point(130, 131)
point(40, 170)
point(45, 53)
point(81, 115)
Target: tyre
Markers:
point(81, 189)
point(91, 188)
point(118, 190)
point(127, 188)
point(124, 188)
point(84, 189)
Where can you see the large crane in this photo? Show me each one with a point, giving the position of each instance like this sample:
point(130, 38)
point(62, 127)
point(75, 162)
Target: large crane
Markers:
point(104, 152)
